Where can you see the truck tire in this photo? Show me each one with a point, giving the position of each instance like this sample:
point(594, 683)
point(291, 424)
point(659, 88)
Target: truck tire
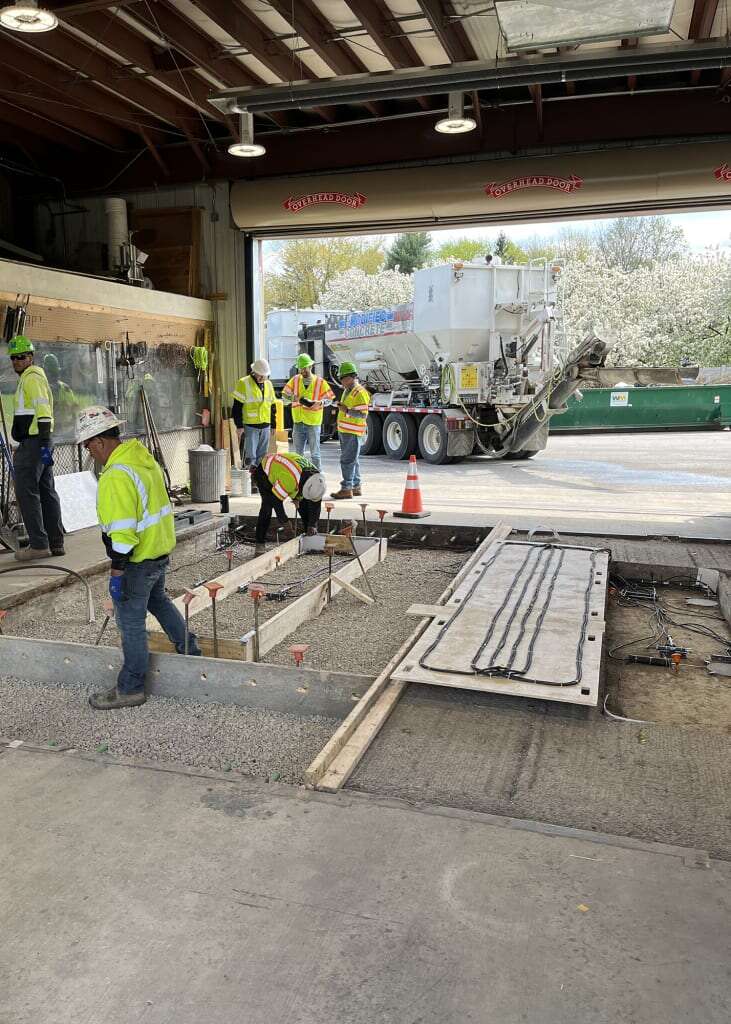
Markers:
point(433, 440)
point(373, 440)
point(400, 436)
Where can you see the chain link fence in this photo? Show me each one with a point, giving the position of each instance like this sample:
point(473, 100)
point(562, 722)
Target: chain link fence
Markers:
point(175, 445)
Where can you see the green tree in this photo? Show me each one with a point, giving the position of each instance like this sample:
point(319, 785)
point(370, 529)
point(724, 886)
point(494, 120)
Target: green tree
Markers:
point(508, 251)
point(409, 252)
point(465, 249)
point(305, 267)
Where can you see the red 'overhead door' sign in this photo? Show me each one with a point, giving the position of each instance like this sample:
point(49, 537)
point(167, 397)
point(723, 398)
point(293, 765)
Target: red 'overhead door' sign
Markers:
point(570, 184)
point(722, 173)
point(353, 200)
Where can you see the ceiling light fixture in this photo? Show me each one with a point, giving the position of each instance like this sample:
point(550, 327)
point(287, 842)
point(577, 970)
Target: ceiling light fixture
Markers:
point(27, 16)
point(455, 123)
point(246, 146)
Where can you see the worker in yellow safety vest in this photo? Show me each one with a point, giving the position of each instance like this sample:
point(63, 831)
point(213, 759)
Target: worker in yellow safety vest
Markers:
point(33, 459)
point(253, 399)
point(138, 531)
point(352, 417)
point(308, 395)
point(283, 476)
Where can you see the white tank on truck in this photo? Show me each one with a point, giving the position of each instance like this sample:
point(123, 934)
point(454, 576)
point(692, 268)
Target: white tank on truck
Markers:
point(473, 363)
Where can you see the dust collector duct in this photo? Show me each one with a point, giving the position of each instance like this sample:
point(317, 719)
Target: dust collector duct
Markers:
point(117, 231)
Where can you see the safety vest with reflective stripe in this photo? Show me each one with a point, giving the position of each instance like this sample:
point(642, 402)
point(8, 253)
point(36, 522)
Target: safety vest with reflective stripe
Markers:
point(33, 398)
point(316, 390)
point(257, 405)
point(356, 400)
point(285, 473)
point(133, 505)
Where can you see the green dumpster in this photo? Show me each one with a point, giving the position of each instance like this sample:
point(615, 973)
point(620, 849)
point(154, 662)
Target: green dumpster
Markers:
point(689, 407)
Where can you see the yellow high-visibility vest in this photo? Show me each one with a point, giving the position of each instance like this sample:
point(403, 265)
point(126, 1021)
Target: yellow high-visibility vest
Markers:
point(133, 505)
point(285, 473)
point(257, 402)
point(316, 390)
point(355, 400)
point(33, 398)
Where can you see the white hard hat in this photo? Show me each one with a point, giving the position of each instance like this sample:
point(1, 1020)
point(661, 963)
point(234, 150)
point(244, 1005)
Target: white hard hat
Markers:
point(314, 488)
point(262, 367)
point(94, 420)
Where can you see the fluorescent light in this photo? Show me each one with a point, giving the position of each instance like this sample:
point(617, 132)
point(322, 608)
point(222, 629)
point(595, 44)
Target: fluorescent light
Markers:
point(455, 123)
point(246, 146)
point(26, 16)
point(538, 24)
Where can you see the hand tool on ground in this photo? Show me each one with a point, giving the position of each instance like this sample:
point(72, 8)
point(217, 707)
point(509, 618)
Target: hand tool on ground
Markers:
point(347, 531)
point(256, 594)
point(329, 506)
point(108, 609)
point(213, 589)
point(187, 598)
point(298, 652)
point(382, 512)
point(363, 507)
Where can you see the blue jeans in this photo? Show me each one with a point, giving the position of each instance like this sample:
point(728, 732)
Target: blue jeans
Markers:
point(256, 444)
point(143, 590)
point(303, 434)
point(349, 455)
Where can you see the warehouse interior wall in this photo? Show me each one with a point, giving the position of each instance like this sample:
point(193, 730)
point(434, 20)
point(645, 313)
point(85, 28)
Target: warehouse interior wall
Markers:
point(73, 235)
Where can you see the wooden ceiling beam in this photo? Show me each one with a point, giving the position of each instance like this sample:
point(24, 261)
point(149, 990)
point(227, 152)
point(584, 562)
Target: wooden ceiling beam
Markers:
point(536, 93)
point(451, 34)
point(702, 18)
point(385, 32)
point(16, 117)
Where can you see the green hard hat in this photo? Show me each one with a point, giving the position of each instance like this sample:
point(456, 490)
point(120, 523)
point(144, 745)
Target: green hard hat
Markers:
point(347, 370)
point(51, 363)
point(303, 361)
point(20, 345)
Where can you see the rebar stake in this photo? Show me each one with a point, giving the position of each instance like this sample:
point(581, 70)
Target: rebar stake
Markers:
point(257, 593)
point(330, 551)
point(347, 531)
point(187, 598)
point(328, 508)
point(382, 513)
point(363, 507)
point(213, 589)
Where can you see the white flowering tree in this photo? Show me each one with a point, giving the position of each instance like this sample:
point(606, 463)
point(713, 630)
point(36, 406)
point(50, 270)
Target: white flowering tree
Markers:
point(654, 315)
point(355, 289)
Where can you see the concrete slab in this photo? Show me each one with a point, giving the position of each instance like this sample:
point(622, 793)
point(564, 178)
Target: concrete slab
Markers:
point(638, 485)
point(142, 895)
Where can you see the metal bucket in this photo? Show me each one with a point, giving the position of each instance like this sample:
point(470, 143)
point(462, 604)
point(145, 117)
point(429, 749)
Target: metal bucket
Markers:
point(207, 474)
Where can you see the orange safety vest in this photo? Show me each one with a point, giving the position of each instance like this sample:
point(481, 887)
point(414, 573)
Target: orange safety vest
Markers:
point(316, 391)
point(354, 400)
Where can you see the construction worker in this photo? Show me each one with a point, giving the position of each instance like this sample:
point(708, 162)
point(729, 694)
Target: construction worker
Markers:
point(253, 399)
point(33, 459)
point(352, 416)
point(308, 394)
point(292, 476)
point(139, 533)
point(65, 402)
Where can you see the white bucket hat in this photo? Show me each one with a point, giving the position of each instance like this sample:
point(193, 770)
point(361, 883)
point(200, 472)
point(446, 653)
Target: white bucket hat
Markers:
point(314, 488)
point(94, 420)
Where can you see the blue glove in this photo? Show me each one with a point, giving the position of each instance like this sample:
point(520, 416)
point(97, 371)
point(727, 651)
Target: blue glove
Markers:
point(46, 455)
point(115, 588)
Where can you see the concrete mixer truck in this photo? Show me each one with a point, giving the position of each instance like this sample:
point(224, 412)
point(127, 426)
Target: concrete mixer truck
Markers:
point(476, 363)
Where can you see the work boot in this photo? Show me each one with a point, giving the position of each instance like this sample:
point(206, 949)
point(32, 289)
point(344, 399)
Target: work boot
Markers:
point(57, 550)
point(357, 492)
point(286, 532)
point(259, 549)
point(31, 554)
point(344, 492)
point(111, 699)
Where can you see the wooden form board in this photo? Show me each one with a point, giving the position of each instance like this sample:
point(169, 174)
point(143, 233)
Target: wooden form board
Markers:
point(333, 766)
point(528, 621)
point(274, 630)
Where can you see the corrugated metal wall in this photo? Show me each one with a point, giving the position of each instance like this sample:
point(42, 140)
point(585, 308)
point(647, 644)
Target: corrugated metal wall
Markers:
point(76, 241)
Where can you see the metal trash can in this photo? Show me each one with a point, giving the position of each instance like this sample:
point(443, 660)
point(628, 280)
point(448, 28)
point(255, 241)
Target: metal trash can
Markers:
point(207, 474)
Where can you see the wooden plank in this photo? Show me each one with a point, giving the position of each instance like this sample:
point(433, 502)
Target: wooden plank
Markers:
point(231, 650)
point(355, 724)
point(311, 604)
point(429, 611)
point(365, 598)
point(231, 581)
point(235, 448)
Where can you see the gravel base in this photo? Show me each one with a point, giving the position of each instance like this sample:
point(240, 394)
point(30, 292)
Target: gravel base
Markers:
point(256, 743)
point(350, 636)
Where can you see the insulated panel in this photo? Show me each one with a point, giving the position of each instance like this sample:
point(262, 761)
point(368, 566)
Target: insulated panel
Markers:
point(527, 621)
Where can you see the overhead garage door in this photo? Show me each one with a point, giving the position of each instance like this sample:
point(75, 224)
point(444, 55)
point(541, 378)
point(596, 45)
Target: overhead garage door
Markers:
point(648, 179)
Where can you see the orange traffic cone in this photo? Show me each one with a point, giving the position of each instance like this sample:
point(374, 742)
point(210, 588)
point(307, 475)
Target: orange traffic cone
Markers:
point(411, 507)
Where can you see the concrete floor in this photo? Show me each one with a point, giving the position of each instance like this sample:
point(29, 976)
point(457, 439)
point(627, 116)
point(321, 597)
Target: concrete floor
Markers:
point(136, 895)
point(676, 484)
